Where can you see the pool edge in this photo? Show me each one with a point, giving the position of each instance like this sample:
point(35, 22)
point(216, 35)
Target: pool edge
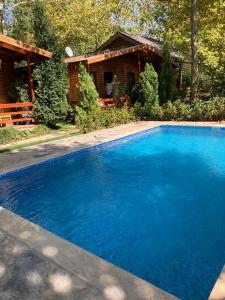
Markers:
point(96, 274)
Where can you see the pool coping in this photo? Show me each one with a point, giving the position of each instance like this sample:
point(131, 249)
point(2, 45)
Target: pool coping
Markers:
point(97, 278)
point(79, 262)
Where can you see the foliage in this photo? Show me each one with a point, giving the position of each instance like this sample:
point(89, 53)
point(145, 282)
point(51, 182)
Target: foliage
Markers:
point(50, 76)
point(118, 89)
point(85, 25)
point(87, 91)
point(90, 121)
point(198, 110)
point(22, 28)
point(18, 91)
point(88, 115)
point(158, 17)
point(166, 74)
point(149, 86)
point(87, 110)
point(8, 134)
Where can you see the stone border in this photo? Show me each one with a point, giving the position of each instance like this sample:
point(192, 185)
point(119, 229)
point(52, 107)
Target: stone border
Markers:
point(218, 291)
point(96, 278)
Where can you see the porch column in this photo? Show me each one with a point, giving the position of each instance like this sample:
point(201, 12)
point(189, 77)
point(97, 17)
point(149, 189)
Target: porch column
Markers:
point(138, 67)
point(180, 77)
point(30, 79)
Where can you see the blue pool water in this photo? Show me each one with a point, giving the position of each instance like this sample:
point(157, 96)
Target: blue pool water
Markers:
point(152, 203)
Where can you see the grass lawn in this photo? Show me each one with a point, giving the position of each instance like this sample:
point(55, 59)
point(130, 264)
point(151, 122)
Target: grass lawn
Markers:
point(17, 139)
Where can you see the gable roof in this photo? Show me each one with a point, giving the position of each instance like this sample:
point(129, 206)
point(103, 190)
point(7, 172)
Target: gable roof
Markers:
point(136, 42)
point(18, 48)
point(94, 57)
point(138, 39)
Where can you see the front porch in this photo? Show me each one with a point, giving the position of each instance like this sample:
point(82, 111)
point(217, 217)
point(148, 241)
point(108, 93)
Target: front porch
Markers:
point(16, 62)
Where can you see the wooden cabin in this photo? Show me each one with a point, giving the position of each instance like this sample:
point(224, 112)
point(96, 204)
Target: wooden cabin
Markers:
point(123, 55)
point(16, 58)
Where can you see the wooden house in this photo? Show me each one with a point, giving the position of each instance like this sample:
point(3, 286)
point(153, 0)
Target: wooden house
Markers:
point(123, 55)
point(13, 55)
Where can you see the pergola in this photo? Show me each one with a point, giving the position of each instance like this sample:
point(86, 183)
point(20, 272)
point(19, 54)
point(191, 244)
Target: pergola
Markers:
point(12, 52)
point(15, 51)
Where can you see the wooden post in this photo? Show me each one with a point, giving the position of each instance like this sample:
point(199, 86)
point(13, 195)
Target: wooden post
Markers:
point(30, 79)
point(139, 67)
point(139, 64)
point(180, 77)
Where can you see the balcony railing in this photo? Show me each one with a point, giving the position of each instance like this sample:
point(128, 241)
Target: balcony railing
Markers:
point(16, 113)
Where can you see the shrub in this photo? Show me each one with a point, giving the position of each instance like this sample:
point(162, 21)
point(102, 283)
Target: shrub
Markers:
point(197, 108)
point(8, 134)
point(50, 76)
point(87, 90)
point(156, 113)
point(87, 111)
point(149, 86)
point(166, 77)
point(170, 111)
point(87, 122)
point(183, 111)
point(118, 89)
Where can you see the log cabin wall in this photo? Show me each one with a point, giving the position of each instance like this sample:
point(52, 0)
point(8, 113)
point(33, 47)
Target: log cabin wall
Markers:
point(119, 66)
point(6, 78)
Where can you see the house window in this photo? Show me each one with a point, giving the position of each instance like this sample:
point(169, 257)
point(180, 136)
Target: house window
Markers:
point(108, 79)
point(130, 80)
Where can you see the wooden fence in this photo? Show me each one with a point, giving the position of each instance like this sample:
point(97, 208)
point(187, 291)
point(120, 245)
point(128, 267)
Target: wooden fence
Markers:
point(14, 113)
point(114, 102)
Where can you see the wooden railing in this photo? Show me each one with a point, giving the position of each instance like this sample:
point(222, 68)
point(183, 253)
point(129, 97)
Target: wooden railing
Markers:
point(114, 102)
point(11, 113)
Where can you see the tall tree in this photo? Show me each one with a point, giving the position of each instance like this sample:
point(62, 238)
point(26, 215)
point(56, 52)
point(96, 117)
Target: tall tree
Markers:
point(194, 50)
point(166, 74)
point(51, 75)
point(4, 10)
point(173, 17)
point(85, 25)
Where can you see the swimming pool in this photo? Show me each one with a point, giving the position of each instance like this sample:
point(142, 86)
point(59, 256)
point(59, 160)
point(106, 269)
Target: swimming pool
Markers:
point(152, 203)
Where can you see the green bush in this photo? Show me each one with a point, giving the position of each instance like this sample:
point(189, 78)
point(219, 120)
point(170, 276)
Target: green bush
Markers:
point(87, 121)
point(90, 121)
point(50, 76)
point(7, 134)
point(87, 111)
point(199, 110)
point(183, 111)
point(149, 86)
point(170, 111)
point(156, 112)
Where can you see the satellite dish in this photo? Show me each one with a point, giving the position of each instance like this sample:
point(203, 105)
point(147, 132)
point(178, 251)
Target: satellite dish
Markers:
point(69, 51)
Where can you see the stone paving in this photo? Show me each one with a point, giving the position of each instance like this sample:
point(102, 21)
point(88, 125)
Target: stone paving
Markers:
point(36, 265)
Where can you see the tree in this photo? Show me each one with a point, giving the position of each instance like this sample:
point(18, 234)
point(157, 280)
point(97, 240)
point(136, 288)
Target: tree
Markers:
point(87, 91)
point(149, 86)
point(50, 76)
point(85, 25)
point(194, 50)
point(21, 27)
point(157, 17)
point(166, 74)
point(87, 111)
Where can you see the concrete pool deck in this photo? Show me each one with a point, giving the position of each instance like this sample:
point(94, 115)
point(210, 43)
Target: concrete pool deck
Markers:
point(35, 264)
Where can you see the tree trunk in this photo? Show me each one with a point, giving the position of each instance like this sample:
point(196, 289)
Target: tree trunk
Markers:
point(3, 27)
point(194, 53)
